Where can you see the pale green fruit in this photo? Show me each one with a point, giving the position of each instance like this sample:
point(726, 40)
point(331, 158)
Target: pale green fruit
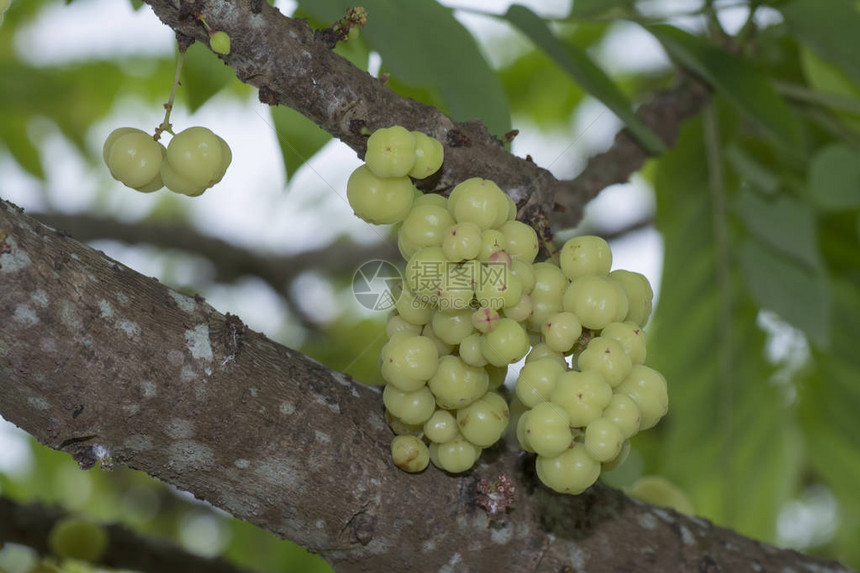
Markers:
point(220, 43)
point(456, 290)
point(425, 271)
point(178, 184)
point(582, 395)
point(453, 326)
point(630, 336)
point(409, 362)
point(483, 422)
point(496, 287)
point(506, 344)
point(455, 456)
point(196, 155)
point(410, 407)
point(541, 350)
point(390, 152)
point(406, 247)
point(470, 351)
point(521, 240)
point(607, 357)
point(475, 200)
point(522, 310)
point(536, 381)
point(441, 427)
point(618, 460)
point(573, 471)
point(543, 307)
point(561, 331)
point(586, 255)
point(594, 300)
point(547, 430)
point(134, 159)
point(376, 200)
point(431, 199)
point(442, 347)
point(114, 135)
point(512, 208)
point(412, 308)
point(429, 155)
point(624, 413)
point(549, 281)
point(521, 432)
point(401, 428)
point(456, 384)
point(648, 389)
point(462, 241)
point(497, 375)
point(523, 271)
point(492, 241)
point(639, 295)
point(660, 491)
point(226, 160)
point(397, 323)
point(76, 538)
point(603, 439)
point(485, 320)
point(157, 183)
point(409, 454)
point(426, 225)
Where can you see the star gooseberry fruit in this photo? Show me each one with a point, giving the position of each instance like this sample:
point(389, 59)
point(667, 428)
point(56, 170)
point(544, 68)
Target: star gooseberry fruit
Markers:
point(134, 158)
point(196, 160)
point(220, 43)
point(77, 538)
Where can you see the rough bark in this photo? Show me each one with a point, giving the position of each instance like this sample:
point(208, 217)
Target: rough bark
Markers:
point(96, 360)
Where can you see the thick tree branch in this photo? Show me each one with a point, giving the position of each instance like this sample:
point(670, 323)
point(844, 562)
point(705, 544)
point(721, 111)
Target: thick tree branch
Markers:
point(30, 525)
point(94, 355)
point(230, 261)
point(664, 114)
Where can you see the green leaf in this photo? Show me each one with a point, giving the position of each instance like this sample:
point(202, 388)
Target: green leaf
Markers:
point(298, 137)
point(828, 27)
point(423, 44)
point(137, 4)
point(727, 437)
point(203, 75)
point(585, 72)
point(798, 294)
point(13, 134)
point(752, 170)
point(738, 80)
point(784, 224)
point(588, 8)
point(834, 178)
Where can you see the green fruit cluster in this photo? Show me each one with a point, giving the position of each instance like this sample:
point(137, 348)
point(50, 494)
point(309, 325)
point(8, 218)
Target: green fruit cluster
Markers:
point(474, 301)
point(195, 160)
point(76, 538)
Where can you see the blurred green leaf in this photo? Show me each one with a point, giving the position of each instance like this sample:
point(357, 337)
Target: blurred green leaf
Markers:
point(784, 223)
point(589, 76)
point(834, 178)
point(587, 8)
point(829, 27)
point(13, 134)
point(137, 4)
point(751, 169)
point(203, 75)
point(423, 44)
point(727, 438)
point(829, 401)
point(798, 294)
point(298, 137)
point(738, 80)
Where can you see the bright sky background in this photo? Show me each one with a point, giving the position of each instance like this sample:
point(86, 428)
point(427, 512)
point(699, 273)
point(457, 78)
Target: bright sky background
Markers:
point(253, 207)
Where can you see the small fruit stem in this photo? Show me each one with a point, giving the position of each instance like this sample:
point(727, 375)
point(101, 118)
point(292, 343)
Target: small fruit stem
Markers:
point(168, 107)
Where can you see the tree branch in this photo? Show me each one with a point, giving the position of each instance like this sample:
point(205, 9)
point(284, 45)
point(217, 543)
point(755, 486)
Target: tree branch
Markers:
point(664, 114)
point(31, 524)
point(94, 355)
point(231, 262)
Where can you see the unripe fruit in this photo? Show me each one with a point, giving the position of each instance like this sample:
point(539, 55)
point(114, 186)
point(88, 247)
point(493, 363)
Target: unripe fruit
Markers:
point(660, 491)
point(547, 430)
point(220, 43)
point(573, 471)
point(409, 453)
point(441, 427)
point(483, 422)
point(506, 344)
point(390, 152)
point(134, 159)
point(196, 155)
point(586, 255)
point(378, 201)
point(410, 407)
point(429, 155)
point(455, 456)
point(521, 240)
point(475, 200)
point(77, 538)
